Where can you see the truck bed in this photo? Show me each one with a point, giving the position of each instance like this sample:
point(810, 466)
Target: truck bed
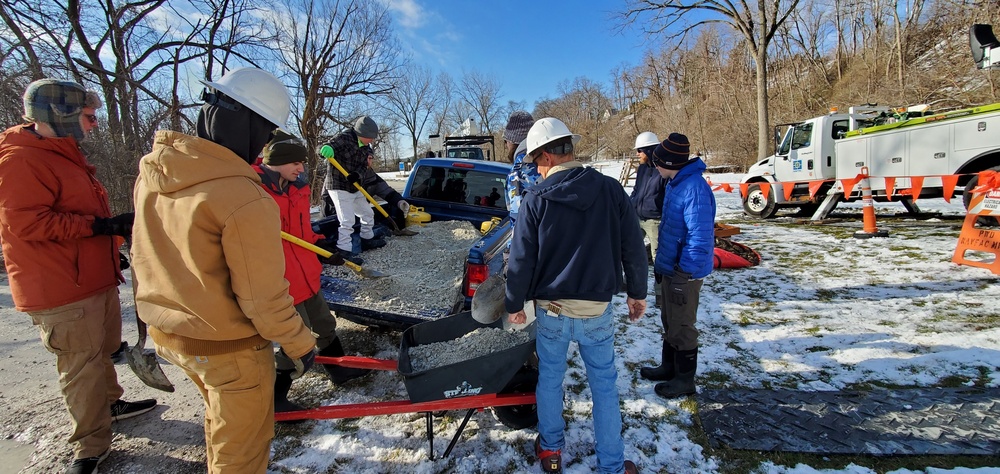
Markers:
point(341, 296)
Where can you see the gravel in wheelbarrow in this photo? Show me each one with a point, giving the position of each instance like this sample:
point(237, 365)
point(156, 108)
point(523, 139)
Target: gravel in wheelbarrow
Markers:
point(483, 375)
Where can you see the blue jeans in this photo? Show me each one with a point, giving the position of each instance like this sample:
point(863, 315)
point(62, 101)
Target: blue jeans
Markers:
point(595, 337)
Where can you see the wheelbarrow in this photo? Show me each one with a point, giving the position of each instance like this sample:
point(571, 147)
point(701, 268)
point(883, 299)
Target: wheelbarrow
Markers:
point(503, 381)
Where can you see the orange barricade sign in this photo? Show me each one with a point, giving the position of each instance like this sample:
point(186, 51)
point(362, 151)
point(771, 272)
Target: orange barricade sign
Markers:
point(980, 247)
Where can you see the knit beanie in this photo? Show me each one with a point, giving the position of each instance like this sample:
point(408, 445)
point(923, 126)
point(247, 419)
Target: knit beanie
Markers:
point(517, 126)
point(673, 153)
point(365, 127)
point(58, 104)
point(284, 149)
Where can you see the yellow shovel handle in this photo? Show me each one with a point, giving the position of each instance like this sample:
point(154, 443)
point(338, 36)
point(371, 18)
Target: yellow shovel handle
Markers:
point(319, 250)
point(356, 185)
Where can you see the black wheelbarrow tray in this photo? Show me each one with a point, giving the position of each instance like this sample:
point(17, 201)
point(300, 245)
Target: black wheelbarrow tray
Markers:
point(503, 381)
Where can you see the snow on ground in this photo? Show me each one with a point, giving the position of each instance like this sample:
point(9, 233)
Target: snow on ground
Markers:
point(823, 311)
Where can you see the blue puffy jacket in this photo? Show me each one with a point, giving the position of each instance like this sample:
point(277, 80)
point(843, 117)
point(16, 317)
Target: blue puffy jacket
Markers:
point(687, 226)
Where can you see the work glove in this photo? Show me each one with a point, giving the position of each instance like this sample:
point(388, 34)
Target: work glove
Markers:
point(354, 178)
point(335, 258)
point(123, 261)
point(677, 287)
point(404, 206)
point(302, 364)
point(117, 225)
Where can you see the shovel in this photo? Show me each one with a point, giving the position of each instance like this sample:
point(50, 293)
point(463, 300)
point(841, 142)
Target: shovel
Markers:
point(487, 304)
point(364, 272)
point(327, 152)
point(144, 364)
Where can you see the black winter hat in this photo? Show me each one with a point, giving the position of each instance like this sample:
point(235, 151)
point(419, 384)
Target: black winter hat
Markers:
point(284, 149)
point(673, 153)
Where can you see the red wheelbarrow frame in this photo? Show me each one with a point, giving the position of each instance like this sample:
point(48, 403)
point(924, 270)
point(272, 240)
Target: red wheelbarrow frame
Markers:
point(396, 407)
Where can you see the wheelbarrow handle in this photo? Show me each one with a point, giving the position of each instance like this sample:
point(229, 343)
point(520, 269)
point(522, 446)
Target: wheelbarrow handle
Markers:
point(355, 362)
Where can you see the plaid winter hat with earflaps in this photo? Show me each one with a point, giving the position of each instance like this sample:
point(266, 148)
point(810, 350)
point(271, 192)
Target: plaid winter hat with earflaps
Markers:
point(283, 149)
point(58, 104)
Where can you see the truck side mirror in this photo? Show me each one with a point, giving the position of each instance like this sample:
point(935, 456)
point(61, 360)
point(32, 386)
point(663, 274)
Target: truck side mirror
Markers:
point(985, 46)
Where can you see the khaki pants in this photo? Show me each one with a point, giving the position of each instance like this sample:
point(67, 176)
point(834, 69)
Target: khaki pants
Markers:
point(316, 315)
point(83, 335)
point(238, 389)
point(651, 227)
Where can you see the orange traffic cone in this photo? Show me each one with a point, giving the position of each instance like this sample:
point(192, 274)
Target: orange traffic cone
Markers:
point(868, 210)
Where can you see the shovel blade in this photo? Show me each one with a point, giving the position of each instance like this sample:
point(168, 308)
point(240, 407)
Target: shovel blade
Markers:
point(369, 273)
point(404, 232)
point(487, 302)
point(145, 366)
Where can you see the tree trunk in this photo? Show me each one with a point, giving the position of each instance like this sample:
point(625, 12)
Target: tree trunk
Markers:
point(763, 124)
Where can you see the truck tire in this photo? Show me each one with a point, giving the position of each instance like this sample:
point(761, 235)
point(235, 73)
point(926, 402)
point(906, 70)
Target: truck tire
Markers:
point(967, 197)
point(755, 204)
point(519, 417)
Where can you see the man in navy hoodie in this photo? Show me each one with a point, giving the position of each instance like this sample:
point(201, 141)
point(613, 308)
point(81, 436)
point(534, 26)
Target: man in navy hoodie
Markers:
point(577, 233)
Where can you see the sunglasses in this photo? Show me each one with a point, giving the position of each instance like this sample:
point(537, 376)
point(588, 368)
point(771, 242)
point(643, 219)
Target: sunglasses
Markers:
point(92, 118)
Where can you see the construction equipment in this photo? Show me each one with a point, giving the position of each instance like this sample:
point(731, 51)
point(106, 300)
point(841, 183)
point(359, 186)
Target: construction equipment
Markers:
point(488, 307)
point(144, 364)
point(364, 272)
point(327, 152)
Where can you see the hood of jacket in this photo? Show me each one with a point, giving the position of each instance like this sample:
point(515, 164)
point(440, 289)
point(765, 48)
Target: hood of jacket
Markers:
point(573, 187)
point(179, 161)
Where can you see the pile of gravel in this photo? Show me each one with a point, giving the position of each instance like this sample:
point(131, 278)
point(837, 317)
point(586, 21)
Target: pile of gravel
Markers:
point(478, 343)
point(425, 270)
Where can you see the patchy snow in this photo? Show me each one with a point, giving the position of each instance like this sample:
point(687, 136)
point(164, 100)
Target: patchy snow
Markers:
point(823, 311)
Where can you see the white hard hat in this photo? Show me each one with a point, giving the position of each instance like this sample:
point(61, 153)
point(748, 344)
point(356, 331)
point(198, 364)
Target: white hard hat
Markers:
point(646, 139)
point(546, 131)
point(257, 90)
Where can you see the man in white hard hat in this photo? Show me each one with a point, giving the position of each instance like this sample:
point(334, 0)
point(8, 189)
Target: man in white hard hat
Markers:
point(209, 266)
point(574, 211)
point(61, 253)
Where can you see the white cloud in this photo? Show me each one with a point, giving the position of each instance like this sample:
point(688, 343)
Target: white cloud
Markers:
point(408, 12)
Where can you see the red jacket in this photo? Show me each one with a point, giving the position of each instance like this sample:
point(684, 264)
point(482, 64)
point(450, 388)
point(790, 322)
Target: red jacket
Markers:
point(49, 196)
point(302, 266)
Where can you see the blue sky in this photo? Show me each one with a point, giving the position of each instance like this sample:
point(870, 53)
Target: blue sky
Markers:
point(530, 46)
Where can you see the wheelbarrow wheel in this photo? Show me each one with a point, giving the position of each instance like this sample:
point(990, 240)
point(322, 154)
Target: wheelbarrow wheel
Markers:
point(519, 417)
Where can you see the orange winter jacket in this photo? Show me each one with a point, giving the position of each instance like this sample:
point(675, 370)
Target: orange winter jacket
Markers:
point(206, 251)
point(49, 196)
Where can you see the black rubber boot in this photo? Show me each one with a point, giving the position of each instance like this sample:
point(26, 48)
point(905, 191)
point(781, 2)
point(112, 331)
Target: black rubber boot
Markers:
point(682, 384)
point(283, 382)
point(340, 375)
point(665, 371)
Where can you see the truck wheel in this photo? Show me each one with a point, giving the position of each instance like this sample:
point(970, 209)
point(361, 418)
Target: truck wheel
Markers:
point(519, 417)
point(755, 204)
point(967, 197)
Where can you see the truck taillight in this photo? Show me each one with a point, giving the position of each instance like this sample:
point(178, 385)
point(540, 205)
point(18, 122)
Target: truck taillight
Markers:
point(474, 275)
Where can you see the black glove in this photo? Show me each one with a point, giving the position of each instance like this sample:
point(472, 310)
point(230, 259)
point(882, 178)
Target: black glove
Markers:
point(677, 286)
point(117, 225)
point(354, 178)
point(302, 364)
point(657, 277)
point(123, 260)
point(334, 259)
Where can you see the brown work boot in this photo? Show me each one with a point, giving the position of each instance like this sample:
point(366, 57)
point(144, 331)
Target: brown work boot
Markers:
point(630, 468)
point(551, 461)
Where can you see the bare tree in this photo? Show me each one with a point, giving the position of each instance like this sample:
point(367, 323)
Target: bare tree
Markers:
point(339, 55)
point(481, 94)
point(411, 101)
point(756, 24)
point(130, 55)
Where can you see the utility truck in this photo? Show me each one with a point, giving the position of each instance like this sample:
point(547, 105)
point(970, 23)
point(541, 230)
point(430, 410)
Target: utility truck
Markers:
point(815, 157)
